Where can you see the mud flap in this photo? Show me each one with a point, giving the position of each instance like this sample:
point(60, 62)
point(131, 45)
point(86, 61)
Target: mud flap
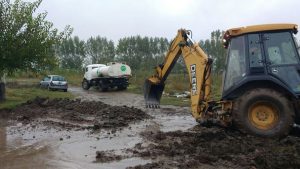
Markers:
point(152, 94)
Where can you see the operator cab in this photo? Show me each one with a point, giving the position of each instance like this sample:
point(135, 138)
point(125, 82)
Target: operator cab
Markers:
point(261, 55)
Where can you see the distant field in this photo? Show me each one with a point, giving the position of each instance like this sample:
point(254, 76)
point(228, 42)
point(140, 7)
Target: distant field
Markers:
point(74, 77)
point(176, 83)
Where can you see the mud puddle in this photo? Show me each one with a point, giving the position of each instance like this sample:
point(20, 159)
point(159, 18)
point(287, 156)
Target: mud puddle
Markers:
point(82, 133)
point(42, 147)
point(113, 130)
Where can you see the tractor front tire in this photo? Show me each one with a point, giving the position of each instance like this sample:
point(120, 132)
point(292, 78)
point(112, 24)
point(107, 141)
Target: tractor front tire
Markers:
point(263, 112)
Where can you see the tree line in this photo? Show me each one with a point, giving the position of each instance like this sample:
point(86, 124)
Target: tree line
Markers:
point(140, 53)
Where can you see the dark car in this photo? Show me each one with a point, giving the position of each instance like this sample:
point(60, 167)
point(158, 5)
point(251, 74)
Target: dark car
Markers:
point(54, 82)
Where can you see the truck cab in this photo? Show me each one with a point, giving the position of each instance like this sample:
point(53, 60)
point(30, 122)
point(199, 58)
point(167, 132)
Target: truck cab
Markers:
point(88, 69)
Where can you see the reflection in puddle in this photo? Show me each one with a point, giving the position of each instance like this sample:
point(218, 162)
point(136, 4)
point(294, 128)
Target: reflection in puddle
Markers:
point(33, 146)
point(40, 147)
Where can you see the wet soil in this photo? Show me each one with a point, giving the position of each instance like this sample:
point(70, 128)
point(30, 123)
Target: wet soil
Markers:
point(114, 130)
point(76, 114)
point(201, 147)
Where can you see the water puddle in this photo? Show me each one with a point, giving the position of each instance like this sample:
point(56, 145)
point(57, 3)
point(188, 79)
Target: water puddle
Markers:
point(22, 146)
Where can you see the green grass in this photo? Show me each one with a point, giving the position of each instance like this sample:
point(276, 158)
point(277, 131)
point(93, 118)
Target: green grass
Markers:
point(74, 77)
point(184, 102)
point(17, 96)
point(216, 92)
point(176, 83)
point(133, 88)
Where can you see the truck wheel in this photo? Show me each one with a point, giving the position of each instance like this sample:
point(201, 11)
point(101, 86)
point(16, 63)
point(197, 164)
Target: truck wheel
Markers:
point(263, 112)
point(85, 85)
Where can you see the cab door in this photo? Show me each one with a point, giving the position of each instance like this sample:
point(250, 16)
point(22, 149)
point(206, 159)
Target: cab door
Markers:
point(282, 58)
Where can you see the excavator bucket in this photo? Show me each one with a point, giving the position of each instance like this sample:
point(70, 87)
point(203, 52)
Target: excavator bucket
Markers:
point(152, 94)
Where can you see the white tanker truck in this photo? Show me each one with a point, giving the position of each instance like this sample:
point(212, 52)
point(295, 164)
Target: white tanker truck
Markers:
point(107, 76)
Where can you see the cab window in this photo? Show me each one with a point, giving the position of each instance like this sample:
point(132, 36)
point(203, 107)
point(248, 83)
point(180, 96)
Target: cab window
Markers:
point(280, 48)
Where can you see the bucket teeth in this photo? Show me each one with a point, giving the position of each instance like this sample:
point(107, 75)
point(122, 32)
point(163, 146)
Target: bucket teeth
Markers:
point(152, 105)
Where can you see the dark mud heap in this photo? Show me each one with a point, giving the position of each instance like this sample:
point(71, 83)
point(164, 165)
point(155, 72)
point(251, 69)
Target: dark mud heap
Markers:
point(76, 113)
point(202, 147)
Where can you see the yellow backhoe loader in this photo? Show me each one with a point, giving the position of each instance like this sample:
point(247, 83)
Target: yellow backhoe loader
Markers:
point(261, 82)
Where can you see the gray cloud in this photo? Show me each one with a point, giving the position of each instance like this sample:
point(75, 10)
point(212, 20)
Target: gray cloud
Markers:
point(115, 19)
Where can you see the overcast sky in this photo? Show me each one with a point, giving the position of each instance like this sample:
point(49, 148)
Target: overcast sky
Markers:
point(115, 19)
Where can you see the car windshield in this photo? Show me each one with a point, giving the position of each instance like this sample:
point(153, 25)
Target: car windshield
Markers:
point(58, 78)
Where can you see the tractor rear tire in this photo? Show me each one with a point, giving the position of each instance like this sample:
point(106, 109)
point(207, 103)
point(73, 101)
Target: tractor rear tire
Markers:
point(263, 112)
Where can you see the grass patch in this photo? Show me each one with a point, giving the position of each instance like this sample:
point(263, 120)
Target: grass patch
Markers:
point(74, 77)
point(133, 88)
point(184, 102)
point(176, 83)
point(17, 96)
point(216, 92)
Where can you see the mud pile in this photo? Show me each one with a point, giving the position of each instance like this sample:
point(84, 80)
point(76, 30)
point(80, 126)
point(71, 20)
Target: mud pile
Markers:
point(68, 113)
point(216, 148)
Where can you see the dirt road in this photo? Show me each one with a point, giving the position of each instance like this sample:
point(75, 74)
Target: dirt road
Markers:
point(114, 130)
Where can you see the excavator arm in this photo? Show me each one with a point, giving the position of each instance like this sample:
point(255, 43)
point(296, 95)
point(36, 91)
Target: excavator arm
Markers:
point(198, 66)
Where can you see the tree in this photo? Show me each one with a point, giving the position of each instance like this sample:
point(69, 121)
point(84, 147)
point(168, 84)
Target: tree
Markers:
point(71, 53)
point(26, 38)
point(100, 50)
point(141, 52)
point(214, 48)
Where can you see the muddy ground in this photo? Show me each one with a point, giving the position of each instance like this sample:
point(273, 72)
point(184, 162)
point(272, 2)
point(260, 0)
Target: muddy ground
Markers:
point(114, 130)
point(76, 114)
